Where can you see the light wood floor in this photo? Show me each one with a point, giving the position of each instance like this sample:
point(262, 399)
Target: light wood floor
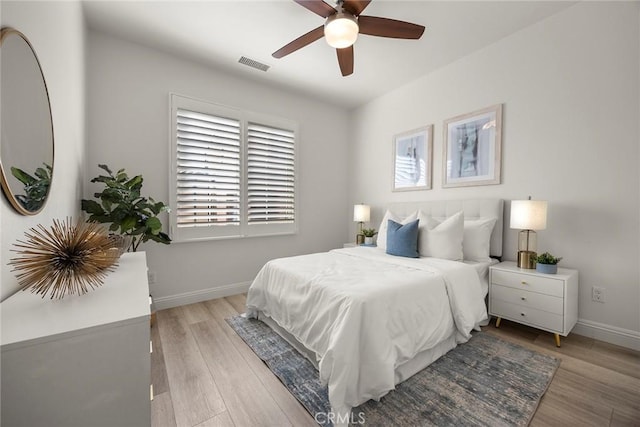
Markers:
point(204, 375)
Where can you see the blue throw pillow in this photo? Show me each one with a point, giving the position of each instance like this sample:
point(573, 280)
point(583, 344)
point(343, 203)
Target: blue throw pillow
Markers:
point(402, 240)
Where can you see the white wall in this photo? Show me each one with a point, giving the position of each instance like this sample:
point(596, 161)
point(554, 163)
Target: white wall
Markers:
point(56, 32)
point(569, 86)
point(128, 99)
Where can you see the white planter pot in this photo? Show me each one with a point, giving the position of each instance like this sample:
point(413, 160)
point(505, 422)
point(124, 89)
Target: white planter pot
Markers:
point(368, 240)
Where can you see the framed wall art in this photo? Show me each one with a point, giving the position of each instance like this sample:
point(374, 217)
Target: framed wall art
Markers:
point(412, 159)
point(472, 148)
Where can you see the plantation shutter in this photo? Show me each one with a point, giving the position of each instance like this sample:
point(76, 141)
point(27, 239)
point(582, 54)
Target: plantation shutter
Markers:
point(233, 172)
point(207, 170)
point(270, 175)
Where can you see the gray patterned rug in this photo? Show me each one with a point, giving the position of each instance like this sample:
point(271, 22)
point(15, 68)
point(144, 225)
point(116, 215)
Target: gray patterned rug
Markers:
point(485, 382)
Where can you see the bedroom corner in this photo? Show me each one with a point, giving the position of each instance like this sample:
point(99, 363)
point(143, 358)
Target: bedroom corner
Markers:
point(558, 100)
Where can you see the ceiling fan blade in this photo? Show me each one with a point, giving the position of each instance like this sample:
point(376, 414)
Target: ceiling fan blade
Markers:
point(385, 27)
point(317, 6)
point(356, 6)
point(345, 59)
point(300, 42)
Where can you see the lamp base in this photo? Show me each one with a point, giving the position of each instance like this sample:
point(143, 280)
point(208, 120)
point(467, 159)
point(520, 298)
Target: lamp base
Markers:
point(527, 259)
point(360, 239)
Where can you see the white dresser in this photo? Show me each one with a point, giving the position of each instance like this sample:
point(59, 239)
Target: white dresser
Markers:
point(544, 301)
point(80, 361)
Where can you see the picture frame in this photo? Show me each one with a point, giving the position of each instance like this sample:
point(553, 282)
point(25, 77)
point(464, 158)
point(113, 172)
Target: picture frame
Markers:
point(473, 148)
point(412, 159)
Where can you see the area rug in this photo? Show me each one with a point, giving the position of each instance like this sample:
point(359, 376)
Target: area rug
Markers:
point(484, 382)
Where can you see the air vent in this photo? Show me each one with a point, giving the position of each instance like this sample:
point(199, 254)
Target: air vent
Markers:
point(251, 63)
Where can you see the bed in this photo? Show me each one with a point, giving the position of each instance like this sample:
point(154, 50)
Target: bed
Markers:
point(369, 320)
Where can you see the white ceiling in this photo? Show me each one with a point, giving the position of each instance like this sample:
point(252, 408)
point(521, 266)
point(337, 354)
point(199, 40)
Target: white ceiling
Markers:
point(218, 33)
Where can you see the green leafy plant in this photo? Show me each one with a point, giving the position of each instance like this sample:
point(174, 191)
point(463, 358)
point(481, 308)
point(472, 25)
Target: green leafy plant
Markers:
point(129, 214)
point(36, 187)
point(369, 232)
point(547, 258)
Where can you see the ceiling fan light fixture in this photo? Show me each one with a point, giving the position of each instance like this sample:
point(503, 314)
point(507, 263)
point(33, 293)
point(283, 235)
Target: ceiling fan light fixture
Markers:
point(341, 30)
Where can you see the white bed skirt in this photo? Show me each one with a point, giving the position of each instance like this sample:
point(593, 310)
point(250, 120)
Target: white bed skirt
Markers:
point(402, 372)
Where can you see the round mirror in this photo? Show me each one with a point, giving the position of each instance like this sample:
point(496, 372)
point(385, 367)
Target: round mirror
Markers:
point(26, 144)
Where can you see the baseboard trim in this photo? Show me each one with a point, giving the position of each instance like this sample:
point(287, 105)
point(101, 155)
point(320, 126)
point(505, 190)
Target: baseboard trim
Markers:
point(607, 333)
point(202, 295)
point(600, 331)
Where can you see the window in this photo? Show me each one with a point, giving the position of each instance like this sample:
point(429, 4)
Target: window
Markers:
point(270, 175)
point(233, 172)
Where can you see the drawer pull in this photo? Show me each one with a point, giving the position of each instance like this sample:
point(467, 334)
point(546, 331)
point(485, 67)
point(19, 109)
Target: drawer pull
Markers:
point(523, 282)
point(522, 314)
point(523, 298)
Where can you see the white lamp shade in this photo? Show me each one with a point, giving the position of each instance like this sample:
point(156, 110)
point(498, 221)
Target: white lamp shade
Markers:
point(528, 214)
point(361, 213)
point(341, 30)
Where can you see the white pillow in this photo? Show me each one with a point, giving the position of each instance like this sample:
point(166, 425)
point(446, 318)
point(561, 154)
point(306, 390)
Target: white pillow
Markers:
point(477, 239)
point(441, 239)
point(382, 230)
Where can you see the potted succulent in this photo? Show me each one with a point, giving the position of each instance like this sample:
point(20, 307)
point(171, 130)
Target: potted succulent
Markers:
point(547, 263)
point(131, 215)
point(368, 235)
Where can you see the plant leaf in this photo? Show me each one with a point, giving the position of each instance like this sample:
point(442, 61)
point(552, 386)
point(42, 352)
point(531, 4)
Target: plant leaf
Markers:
point(154, 225)
point(106, 169)
point(121, 176)
point(42, 174)
point(135, 183)
point(139, 230)
point(91, 207)
point(22, 176)
point(160, 238)
point(112, 195)
point(128, 223)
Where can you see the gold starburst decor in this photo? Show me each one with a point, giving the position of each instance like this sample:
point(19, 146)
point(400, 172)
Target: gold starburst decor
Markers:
point(65, 259)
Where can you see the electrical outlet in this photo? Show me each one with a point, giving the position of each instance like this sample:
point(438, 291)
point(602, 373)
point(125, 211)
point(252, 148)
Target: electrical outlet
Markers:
point(151, 276)
point(597, 294)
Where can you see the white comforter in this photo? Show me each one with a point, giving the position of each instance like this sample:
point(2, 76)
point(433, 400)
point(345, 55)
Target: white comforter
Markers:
point(364, 312)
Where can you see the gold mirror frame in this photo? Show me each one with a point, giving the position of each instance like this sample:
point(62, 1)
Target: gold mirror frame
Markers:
point(27, 140)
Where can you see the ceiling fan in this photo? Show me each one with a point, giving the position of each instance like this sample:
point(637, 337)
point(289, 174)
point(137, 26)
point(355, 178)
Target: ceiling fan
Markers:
point(342, 26)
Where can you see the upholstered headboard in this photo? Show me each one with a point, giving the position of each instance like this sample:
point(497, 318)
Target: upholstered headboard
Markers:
point(472, 208)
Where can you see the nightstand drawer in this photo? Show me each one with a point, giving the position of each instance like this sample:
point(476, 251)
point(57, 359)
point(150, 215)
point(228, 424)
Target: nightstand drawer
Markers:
point(543, 285)
point(526, 298)
point(527, 315)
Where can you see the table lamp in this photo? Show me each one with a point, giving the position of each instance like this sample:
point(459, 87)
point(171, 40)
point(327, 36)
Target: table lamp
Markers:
point(528, 216)
point(361, 214)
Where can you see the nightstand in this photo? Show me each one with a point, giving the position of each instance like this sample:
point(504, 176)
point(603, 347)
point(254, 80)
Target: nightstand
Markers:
point(544, 301)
